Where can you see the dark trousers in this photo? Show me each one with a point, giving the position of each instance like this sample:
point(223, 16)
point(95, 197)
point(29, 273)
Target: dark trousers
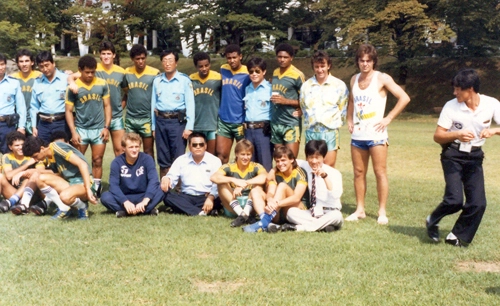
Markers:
point(4, 130)
point(263, 149)
point(169, 141)
point(45, 129)
point(187, 204)
point(463, 173)
point(110, 202)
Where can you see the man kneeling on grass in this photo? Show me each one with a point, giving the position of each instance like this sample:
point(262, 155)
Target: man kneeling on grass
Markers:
point(20, 173)
point(134, 187)
point(74, 184)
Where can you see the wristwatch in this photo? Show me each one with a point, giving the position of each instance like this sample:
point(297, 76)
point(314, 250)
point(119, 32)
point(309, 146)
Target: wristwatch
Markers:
point(324, 174)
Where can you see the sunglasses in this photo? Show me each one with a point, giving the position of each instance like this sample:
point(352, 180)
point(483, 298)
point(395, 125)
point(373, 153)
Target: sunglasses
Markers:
point(252, 71)
point(198, 145)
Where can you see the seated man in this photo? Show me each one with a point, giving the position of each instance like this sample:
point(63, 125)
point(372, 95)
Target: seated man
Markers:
point(133, 183)
point(72, 186)
point(18, 181)
point(198, 194)
point(325, 189)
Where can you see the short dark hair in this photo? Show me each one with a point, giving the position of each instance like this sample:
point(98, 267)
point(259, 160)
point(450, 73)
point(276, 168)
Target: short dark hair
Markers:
point(167, 52)
point(465, 79)
point(58, 134)
point(321, 56)
point(232, 48)
point(138, 50)
point(44, 56)
point(285, 47)
point(200, 56)
point(3, 58)
point(197, 134)
point(24, 52)
point(107, 46)
point(367, 49)
point(257, 62)
point(32, 145)
point(87, 61)
point(316, 146)
point(13, 136)
point(281, 150)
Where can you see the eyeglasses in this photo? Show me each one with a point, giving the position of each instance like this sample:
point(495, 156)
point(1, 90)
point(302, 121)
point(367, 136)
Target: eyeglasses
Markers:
point(198, 144)
point(168, 60)
point(252, 71)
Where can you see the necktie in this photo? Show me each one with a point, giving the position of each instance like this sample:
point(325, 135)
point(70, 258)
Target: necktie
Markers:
point(313, 193)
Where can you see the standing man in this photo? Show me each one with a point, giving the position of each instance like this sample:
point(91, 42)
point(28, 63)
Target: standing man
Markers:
point(12, 106)
point(113, 75)
point(198, 193)
point(26, 77)
point(287, 80)
point(463, 126)
point(133, 183)
point(207, 89)
point(368, 126)
point(172, 110)
point(323, 101)
point(138, 84)
point(47, 99)
point(232, 108)
point(92, 108)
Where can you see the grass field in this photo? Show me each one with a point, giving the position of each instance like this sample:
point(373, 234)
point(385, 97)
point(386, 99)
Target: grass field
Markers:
point(178, 260)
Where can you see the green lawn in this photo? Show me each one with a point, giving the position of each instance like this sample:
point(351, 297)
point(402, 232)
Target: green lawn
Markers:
point(178, 260)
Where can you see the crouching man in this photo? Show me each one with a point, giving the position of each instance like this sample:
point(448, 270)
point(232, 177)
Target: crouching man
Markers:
point(134, 187)
point(325, 189)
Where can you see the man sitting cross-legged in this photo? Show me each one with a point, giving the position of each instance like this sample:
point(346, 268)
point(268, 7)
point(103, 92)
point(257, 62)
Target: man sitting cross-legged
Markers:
point(133, 182)
point(18, 180)
point(198, 194)
point(72, 186)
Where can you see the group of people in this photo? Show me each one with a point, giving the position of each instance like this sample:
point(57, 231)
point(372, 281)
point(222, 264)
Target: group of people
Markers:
point(206, 112)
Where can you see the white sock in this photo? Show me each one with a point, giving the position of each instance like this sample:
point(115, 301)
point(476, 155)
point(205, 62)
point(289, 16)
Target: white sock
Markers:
point(27, 196)
point(52, 194)
point(451, 236)
point(248, 207)
point(79, 204)
point(236, 207)
point(97, 183)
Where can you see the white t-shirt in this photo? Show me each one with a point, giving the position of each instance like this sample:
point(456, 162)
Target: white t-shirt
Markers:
point(456, 116)
point(369, 109)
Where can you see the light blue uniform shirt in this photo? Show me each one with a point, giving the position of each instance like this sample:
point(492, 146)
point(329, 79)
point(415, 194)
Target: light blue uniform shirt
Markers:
point(48, 97)
point(195, 178)
point(174, 95)
point(258, 102)
point(12, 99)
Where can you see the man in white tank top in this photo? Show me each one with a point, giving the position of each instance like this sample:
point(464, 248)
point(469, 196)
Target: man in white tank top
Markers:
point(368, 126)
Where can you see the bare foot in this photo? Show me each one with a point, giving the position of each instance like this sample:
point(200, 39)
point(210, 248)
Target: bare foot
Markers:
point(356, 216)
point(382, 220)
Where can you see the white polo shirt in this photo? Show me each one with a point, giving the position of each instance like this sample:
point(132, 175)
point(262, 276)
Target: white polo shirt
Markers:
point(456, 116)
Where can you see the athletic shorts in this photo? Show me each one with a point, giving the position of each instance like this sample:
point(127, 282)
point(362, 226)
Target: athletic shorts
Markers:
point(230, 130)
point(29, 128)
point(367, 144)
point(79, 181)
point(282, 134)
point(141, 126)
point(117, 124)
point(90, 136)
point(210, 135)
point(331, 137)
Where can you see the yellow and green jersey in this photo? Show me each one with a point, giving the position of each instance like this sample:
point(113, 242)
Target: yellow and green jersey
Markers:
point(61, 152)
point(140, 88)
point(10, 162)
point(296, 177)
point(114, 78)
point(26, 86)
point(232, 170)
point(287, 85)
point(207, 100)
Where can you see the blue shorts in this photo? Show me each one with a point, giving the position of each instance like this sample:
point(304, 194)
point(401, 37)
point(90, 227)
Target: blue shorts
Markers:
point(210, 135)
point(367, 144)
point(117, 124)
point(331, 138)
point(90, 136)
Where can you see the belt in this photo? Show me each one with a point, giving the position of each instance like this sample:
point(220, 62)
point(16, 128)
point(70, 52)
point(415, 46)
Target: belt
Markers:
point(329, 208)
point(52, 117)
point(456, 146)
point(168, 115)
point(198, 195)
point(256, 124)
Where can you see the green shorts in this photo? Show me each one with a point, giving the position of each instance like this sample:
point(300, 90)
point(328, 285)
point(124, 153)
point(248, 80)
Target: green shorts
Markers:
point(141, 126)
point(117, 124)
point(29, 128)
point(331, 137)
point(282, 134)
point(210, 135)
point(230, 130)
point(90, 136)
point(78, 180)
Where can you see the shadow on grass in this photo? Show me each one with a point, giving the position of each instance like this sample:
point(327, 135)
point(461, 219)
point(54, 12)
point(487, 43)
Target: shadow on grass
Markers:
point(493, 290)
point(412, 231)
